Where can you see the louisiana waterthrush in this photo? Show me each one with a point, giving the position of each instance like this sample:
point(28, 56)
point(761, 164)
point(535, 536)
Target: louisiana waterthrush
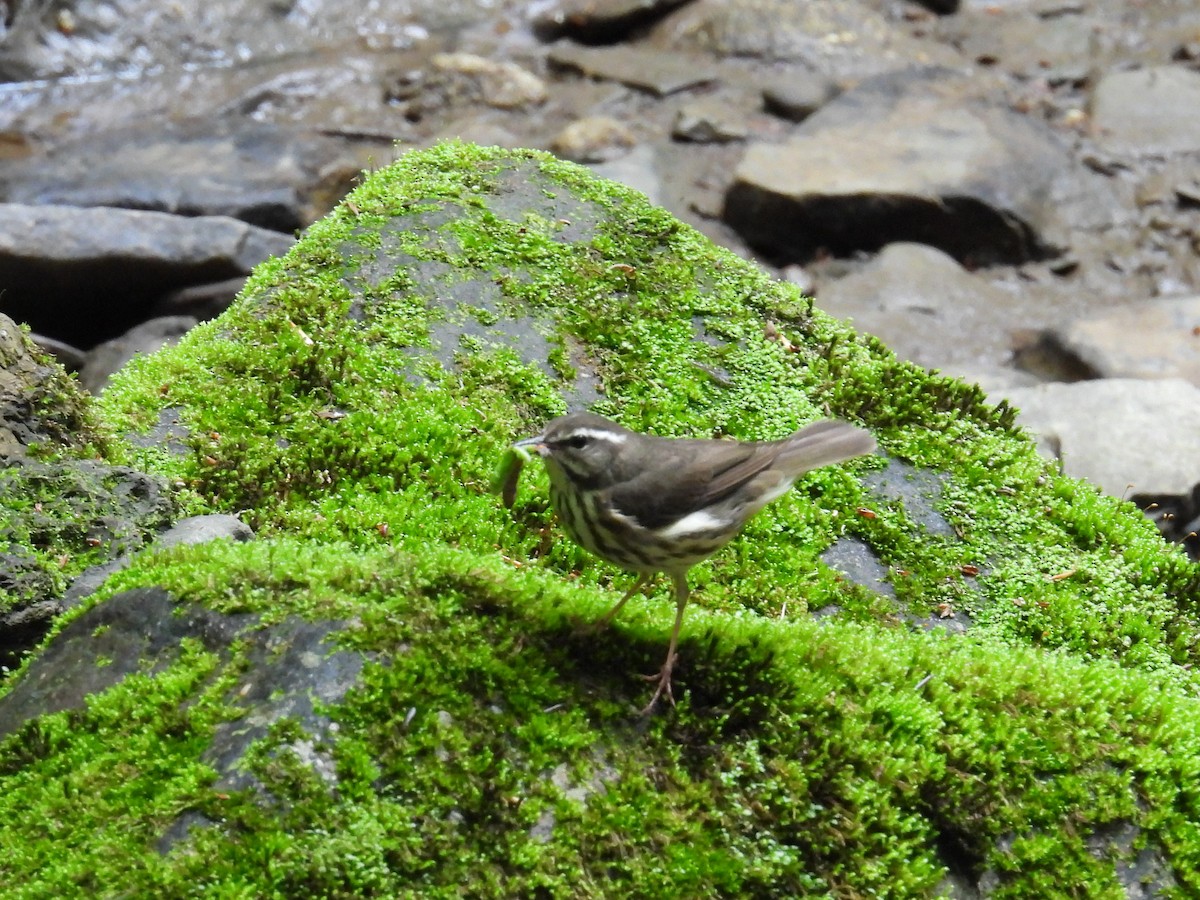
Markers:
point(652, 504)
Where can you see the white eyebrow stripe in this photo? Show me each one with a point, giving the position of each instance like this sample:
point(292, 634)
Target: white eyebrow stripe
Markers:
point(699, 522)
point(613, 437)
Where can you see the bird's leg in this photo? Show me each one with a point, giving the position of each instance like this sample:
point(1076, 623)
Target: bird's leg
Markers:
point(644, 579)
point(664, 675)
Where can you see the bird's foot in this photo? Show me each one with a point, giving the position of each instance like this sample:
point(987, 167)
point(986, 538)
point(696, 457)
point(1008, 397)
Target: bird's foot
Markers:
point(664, 685)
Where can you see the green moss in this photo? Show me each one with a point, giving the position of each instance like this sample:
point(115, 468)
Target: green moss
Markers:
point(56, 415)
point(58, 508)
point(489, 743)
point(105, 781)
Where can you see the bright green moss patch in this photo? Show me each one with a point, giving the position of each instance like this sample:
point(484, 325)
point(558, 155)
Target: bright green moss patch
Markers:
point(488, 743)
point(87, 793)
point(365, 387)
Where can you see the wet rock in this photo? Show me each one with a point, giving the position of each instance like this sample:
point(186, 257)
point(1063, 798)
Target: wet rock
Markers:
point(104, 360)
point(709, 121)
point(832, 37)
point(1148, 339)
point(328, 101)
point(85, 275)
point(598, 21)
point(46, 41)
point(926, 307)
point(594, 139)
point(1146, 111)
point(1130, 437)
point(638, 67)
point(911, 159)
point(266, 175)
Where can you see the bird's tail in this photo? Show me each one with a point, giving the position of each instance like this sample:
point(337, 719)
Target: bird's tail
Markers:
point(821, 444)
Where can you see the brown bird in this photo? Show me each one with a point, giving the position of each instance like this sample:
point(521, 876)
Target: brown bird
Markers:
point(652, 504)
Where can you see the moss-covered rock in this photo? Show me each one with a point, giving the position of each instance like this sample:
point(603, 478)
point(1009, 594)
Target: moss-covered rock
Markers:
point(64, 505)
point(388, 693)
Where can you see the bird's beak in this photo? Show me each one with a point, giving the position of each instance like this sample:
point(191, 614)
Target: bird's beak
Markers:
point(536, 444)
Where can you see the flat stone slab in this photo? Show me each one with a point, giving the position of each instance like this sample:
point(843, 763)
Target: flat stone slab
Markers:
point(1147, 339)
point(912, 160)
point(656, 71)
point(1149, 111)
point(1129, 437)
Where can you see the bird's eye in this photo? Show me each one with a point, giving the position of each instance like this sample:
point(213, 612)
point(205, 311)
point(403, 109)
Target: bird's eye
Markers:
point(576, 441)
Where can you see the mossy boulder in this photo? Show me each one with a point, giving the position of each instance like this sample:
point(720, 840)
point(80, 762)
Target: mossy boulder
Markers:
point(63, 507)
point(388, 693)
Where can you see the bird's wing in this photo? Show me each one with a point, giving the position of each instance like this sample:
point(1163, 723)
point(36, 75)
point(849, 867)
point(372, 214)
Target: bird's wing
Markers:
point(683, 481)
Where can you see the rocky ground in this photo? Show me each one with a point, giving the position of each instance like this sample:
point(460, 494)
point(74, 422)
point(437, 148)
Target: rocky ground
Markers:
point(1009, 191)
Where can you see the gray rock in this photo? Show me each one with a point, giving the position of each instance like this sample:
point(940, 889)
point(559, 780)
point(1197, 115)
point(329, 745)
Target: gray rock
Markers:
point(293, 668)
point(69, 356)
point(841, 38)
point(39, 404)
point(93, 514)
point(201, 529)
point(855, 559)
point(894, 160)
point(1131, 438)
point(67, 270)
point(925, 307)
point(202, 301)
point(478, 127)
point(503, 85)
point(266, 175)
point(1148, 111)
point(1026, 42)
point(709, 121)
point(657, 72)
point(920, 490)
point(460, 84)
point(105, 359)
point(638, 169)
point(594, 139)
point(798, 95)
point(91, 511)
point(192, 530)
point(1148, 339)
point(997, 380)
point(598, 21)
